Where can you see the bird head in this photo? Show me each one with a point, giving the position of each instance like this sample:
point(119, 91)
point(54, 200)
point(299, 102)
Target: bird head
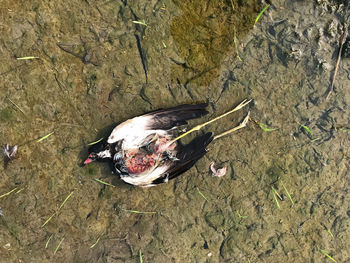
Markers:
point(99, 156)
point(99, 152)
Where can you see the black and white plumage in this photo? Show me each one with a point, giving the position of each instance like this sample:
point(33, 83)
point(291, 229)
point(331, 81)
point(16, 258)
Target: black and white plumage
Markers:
point(9, 153)
point(142, 151)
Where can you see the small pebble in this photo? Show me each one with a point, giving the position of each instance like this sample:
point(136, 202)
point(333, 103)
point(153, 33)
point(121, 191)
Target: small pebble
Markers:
point(7, 246)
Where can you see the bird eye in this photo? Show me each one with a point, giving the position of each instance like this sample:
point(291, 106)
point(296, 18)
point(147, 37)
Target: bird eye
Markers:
point(92, 155)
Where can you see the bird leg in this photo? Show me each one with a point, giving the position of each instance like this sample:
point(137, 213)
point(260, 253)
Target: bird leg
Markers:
point(240, 126)
point(198, 127)
point(149, 142)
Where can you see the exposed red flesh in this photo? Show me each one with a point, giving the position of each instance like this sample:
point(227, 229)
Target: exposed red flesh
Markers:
point(140, 162)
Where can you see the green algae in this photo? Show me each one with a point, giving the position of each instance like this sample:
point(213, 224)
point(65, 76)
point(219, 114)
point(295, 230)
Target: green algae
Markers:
point(7, 114)
point(205, 34)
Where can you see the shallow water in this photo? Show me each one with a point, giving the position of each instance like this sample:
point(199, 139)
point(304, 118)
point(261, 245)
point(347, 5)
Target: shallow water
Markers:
point(97, 68)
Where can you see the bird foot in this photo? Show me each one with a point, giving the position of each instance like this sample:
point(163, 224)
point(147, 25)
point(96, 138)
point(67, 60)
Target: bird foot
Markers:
point(240, 126)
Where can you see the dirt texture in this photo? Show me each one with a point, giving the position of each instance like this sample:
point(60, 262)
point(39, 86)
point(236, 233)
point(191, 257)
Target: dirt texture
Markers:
point(102, 62)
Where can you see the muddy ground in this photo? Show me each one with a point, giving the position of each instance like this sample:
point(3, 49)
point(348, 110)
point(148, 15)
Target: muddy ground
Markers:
point(96, 67)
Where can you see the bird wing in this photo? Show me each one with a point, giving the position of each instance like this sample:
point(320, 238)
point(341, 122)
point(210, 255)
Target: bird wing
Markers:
point(166, 119)
point(134, 131)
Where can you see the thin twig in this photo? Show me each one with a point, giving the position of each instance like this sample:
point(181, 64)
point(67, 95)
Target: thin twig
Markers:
point(341, 42)
point(16, 106)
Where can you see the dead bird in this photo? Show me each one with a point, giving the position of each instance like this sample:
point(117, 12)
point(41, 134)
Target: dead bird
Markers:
point(9, 153)
point(144, 150)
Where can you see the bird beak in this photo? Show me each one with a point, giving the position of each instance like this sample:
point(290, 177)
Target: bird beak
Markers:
point(87, 161)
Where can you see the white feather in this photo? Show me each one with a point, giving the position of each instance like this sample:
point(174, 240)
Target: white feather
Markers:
point(147, 177)
point(105, 154)
point(133, 132)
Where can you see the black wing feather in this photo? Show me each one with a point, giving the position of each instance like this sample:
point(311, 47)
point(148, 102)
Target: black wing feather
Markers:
point(169, 118)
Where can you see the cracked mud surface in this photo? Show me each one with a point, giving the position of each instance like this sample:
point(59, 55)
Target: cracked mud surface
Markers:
point(97, 68)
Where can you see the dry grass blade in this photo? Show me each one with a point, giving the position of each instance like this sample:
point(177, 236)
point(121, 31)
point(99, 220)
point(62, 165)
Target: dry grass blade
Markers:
point(326, 254)
point(58, 246)
point(276, 200)
point(45, 137)
point(65, 200)
point(206, 199)
point(14, 104)
point(20, 190)
point(137, 212)
point(95, 142)
point(3, 195)
point(93, 245)
point(26, 58)
point(236, 47)
point(316, 139)
point(330, 233)
point(341, 43)
point(140, 254)
point(47, 242)
point(275, 194)
point(289, 196)
point(142, 22)
point(102, 182)
point(48, 220)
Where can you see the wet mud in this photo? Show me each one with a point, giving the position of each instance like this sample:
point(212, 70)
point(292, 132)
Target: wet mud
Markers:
point(285, 196)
